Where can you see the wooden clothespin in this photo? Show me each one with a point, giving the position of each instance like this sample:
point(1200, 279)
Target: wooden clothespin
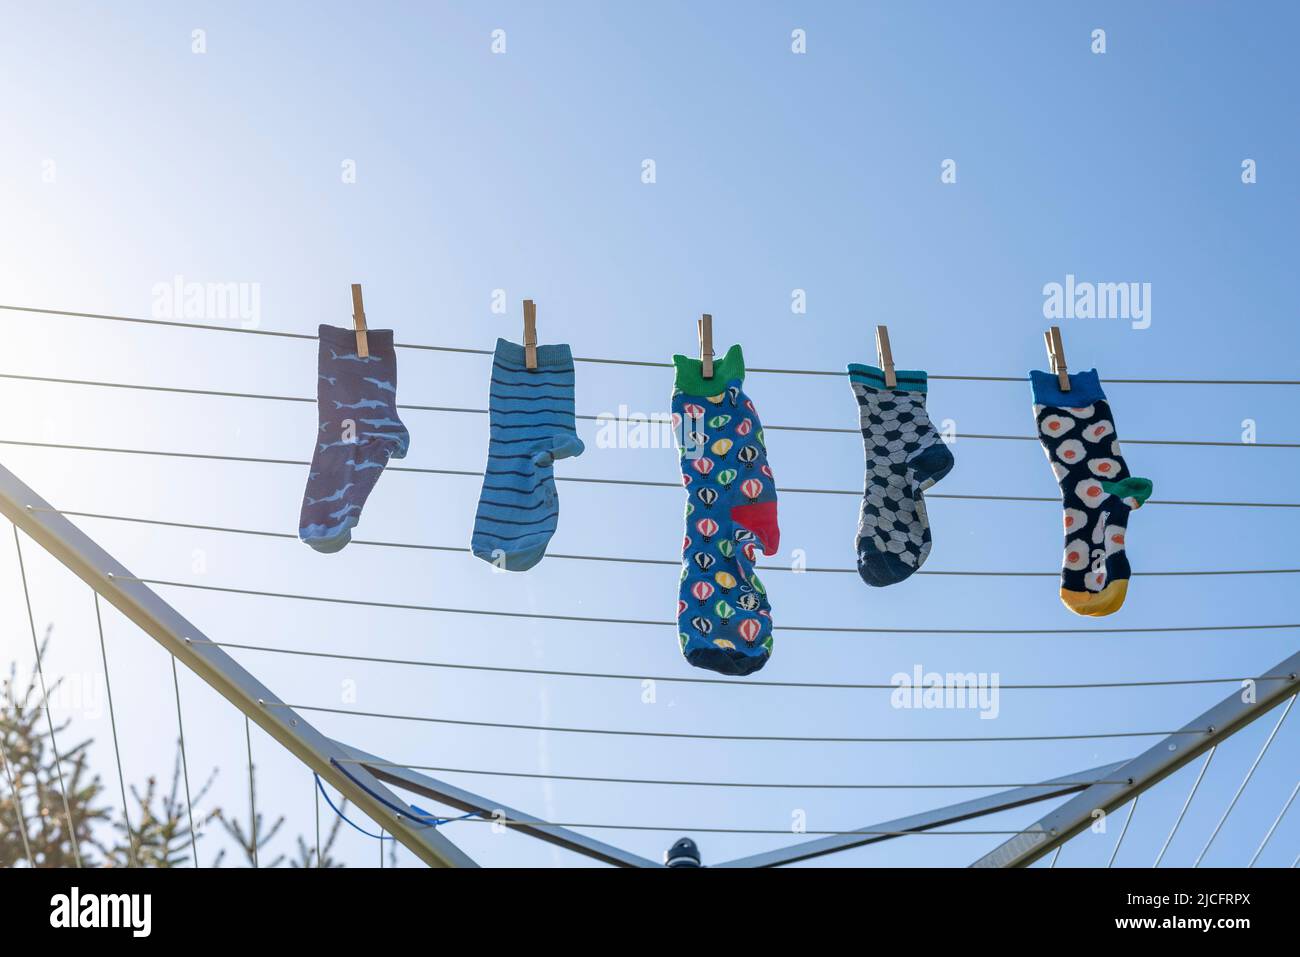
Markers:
point(1056, 356)
point(705, 327)
point(885, 356)
point(530, 334)
point(359, 321)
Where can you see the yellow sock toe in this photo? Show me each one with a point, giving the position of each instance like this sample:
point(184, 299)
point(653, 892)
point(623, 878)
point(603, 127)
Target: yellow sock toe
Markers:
point(1096, 604)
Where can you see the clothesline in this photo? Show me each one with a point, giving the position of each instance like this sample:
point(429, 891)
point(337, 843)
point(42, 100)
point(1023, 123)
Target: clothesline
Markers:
point(209, 327)
point(785, 490)
point(458, 549)
point(729, 682)
point(784, 832)
point(436, 719)
point(403, 407)
point(659, 623)
point(771, 738)
point(533, 775)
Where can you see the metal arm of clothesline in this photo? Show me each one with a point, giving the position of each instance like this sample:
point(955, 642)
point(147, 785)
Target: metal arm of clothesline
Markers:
point(1150, 767)
point(67, 543)
point(516, 820)
point(928, 820)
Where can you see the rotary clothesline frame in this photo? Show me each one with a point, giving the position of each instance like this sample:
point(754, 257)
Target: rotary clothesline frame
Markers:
point(361, 776)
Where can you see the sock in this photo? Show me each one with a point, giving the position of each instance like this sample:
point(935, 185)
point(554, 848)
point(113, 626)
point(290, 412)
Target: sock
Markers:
point(359, 432)
point(905, 456)
point(724, 621)
point(532, 424)
point(1097, 490)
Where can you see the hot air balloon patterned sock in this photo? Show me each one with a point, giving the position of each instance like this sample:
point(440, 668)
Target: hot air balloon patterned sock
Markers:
point(724, 621)
point(359, 432)
point(905, 456)
point(531, 424)
point(1098, 492)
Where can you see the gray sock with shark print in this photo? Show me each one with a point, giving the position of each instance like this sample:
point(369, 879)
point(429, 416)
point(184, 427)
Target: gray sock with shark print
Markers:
point(359, 431)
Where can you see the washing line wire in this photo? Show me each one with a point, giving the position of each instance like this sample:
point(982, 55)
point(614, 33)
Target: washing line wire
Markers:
point(481, 818)
point(740, 830)
point(1186, 804)
point(674, 563)
point(1132, 809)
point(701, 736)
point(185, 764)
point(462, 410)
point(539, 825)
point(1273, 827)
point(498, 818)
point(730, 682)
point(798, 786)
point(45, 703)
point(1246, 780)
point(133, 859)
point(252, 800)
point(857, 493)
point(212, 327)
point(829, 629)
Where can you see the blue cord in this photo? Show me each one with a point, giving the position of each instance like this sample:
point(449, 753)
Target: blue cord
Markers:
point(425, 818)
point(344, 817)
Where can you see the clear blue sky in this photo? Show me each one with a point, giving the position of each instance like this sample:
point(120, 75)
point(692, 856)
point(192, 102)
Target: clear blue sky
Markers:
point(522, 172)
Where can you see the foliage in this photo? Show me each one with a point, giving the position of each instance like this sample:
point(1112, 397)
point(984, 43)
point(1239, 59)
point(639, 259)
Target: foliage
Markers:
point(34, 824)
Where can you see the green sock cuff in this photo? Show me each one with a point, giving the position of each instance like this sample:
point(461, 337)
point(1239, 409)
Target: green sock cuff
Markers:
point(690, 373)
point(1132, 487)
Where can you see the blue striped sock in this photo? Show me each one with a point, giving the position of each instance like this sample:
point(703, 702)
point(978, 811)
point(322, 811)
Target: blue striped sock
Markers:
point(532, 424)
